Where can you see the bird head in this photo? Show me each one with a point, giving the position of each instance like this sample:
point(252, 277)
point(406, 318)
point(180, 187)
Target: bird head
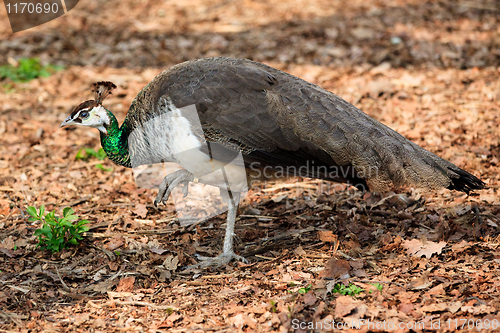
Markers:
point(91, 113)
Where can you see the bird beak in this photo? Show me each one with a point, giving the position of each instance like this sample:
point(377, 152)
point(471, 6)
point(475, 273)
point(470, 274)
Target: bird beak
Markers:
point(67, 122)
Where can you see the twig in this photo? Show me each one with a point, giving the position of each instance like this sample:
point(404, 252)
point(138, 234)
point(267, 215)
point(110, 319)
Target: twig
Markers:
point(347, 256)
point(65, 287)
point(477, 299)
point(79, 201)
point(11, 317)
point(259, 217)
point(151, 232)
point(151, 305)
point(263, 257)
point(220, 276)
point(110, 254)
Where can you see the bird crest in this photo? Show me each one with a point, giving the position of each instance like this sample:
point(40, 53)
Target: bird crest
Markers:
point(102, 90)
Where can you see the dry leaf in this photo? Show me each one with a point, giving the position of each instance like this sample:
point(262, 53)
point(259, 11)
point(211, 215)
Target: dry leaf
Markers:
point(416, 248)
point(346, 305)
point(126, 284)
point(309, 298)
point(141, 210)
point(158, 251)
point(327, 236)
point(114, 243)
point(336, 269)
point(436, 307)
point(171, 262)
point(463, 245)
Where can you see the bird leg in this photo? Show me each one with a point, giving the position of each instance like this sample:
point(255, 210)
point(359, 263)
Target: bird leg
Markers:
point(227, 252)
point(170, 182)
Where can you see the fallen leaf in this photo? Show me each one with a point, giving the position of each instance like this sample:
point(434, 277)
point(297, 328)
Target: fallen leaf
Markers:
point(416, 248)
point(436, 307)
point(336, 269)
point(8, 243)
point(437, 290)
point(463, 245)
point(241, 319)
point(114, 243)
point(453, 307)
point(158, 250)
point(345, 305)
point(7, 252)
point(169, 322)
point(309, 298)
point(300, 251)
point(171, 262)
point(126, 284)
point(327, 236)
point(141, 210)
point(422, 282)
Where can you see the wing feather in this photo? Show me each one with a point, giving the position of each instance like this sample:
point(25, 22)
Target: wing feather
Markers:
point(279, 119)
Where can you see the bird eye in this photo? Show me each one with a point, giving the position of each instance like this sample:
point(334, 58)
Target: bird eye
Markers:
point(84, 114)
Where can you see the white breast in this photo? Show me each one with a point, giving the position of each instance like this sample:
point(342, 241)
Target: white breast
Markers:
point(176, 135)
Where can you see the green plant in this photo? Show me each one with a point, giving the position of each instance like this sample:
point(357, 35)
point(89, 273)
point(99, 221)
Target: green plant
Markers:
point(100, 166)
point(274, 309)
point(305, 290)
point(26, 70)
point(350, 290)
point(57, 233)
point(86, 153)
point(379, 286)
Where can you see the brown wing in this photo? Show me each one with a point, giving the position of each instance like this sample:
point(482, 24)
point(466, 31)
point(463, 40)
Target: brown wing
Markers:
point(279, 119)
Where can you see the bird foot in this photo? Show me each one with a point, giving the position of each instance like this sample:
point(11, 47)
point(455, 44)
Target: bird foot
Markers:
point(170, 182)
point(221, 260)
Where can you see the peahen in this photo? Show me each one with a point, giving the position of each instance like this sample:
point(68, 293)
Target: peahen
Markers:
point(280, 124)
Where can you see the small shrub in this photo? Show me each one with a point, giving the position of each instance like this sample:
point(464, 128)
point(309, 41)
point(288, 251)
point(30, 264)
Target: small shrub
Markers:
point(57, 233)
point(86, 153)
point(351, 290)
point(27, 70)
point(305, 290)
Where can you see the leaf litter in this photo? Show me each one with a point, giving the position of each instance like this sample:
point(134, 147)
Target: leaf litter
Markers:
point(427, 69)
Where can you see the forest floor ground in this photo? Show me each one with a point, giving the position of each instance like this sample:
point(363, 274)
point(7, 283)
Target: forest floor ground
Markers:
point(318, 254)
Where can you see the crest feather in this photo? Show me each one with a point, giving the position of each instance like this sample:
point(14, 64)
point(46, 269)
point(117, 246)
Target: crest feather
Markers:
point(102, 90)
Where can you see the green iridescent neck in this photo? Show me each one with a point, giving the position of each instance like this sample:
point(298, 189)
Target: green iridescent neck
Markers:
point(115, 141)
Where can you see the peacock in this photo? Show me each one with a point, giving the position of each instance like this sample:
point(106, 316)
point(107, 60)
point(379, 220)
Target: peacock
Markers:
point(202, 114)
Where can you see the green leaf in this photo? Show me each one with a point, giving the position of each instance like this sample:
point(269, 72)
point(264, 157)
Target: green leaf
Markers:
point(305, 290)
point(67, 211)
point(101, 154)
point(80, 155)
point(86, 153)
point(32, 211)
point(100, 166)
